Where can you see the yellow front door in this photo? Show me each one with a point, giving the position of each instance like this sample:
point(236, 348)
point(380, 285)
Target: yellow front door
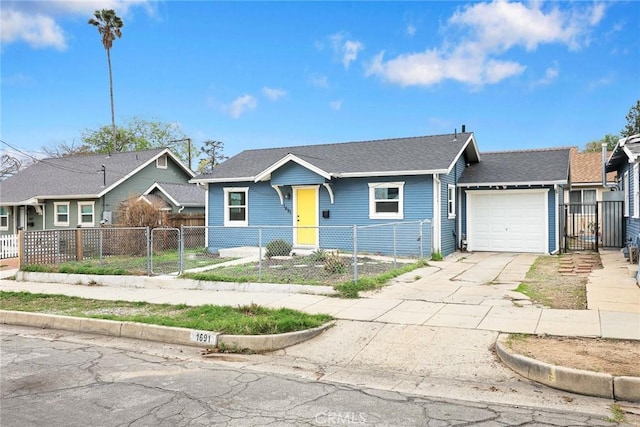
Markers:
point(306, 216)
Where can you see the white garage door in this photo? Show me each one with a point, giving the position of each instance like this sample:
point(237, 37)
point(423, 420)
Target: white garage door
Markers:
point(507, 221)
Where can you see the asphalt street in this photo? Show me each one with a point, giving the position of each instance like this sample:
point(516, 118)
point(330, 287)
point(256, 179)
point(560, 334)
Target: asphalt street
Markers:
point(56, 378)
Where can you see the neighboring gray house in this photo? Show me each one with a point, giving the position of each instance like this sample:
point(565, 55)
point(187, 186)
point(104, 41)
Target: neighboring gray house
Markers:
point(441, 178)
point(182, 198)
point(86, 190)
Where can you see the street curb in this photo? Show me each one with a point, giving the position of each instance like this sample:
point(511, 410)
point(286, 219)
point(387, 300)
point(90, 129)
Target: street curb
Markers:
point(165, 334)
point(568, 379)
point(169, 282)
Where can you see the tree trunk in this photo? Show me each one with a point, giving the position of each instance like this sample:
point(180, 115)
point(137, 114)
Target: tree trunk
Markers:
point(113, 116)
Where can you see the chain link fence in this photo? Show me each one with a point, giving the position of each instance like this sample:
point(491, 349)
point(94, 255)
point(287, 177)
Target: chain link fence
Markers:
point(275, 254)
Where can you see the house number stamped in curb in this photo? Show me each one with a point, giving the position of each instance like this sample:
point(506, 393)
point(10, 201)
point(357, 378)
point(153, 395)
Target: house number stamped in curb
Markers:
point(204, 337)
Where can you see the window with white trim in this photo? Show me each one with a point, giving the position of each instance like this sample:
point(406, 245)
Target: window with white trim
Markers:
point(161, 162)
point(86, 217)
point(582, 201)
point(386, 200)
point(61, 214)
point(625, 191)
point(451, 201)
point(636, 192)
point(236, 206)
point(4, 218)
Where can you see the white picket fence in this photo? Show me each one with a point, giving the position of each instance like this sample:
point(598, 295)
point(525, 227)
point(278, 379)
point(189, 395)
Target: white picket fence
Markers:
point(9, 246)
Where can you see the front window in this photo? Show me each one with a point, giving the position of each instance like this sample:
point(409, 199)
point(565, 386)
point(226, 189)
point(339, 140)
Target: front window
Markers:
point(4, 218)
point(61, 214)
point(451, 201)
point(85, 214)
point(236, 204)
point(386, 200)
point(161, 162)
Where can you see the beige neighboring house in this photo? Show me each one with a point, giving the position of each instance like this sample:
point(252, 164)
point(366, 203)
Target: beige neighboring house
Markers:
point(586, 190)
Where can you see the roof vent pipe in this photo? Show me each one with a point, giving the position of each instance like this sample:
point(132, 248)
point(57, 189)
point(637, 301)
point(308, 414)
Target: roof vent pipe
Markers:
point(455, 134)
point(464, 128)
point(604, 167)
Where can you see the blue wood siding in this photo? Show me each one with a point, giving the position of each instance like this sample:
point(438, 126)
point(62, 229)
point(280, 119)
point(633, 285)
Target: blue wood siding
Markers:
point(450, 235)
point(294, 174)
point(552, 208)
point(632, 225)
point(351, 208)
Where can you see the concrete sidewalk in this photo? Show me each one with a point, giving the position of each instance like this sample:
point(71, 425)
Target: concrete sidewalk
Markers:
point(427, 333)
point(465, 291)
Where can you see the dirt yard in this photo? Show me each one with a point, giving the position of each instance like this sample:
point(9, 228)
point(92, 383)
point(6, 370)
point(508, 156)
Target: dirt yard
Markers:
point(560, 282)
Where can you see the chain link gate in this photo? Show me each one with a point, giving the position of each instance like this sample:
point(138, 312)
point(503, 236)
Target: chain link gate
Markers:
point(166, 251)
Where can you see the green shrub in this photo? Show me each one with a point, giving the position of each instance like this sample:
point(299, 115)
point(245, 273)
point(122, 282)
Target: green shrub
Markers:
point(278, 248)
point(335, 264)
point(436, 256)
point(319, 255)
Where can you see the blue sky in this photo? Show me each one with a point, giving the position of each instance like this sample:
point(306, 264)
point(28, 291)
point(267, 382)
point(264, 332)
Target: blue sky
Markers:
point(265, 74)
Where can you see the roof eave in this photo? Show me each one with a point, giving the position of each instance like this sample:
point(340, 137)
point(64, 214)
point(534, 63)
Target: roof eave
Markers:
point(222, 180)
point(390, 173)
point(265, 175)
point(511, 184)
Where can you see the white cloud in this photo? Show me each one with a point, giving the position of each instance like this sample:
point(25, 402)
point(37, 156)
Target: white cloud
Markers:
point(273, 94)
point(410, 30)
point(38, 23)
point(346, 50)
point(319, 81)
point(350, 52)
point(550, 75)
point(241, 105)
point(336, 105)
point(37, 31)
point(489, 30)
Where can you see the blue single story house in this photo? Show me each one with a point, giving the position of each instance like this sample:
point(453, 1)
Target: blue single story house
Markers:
point(624, 161)
point(490, 202)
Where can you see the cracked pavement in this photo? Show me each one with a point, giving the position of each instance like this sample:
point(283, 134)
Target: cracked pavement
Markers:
point(57, 378)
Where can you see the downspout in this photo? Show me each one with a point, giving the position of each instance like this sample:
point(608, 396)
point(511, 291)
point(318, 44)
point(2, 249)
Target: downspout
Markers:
point(557, 219)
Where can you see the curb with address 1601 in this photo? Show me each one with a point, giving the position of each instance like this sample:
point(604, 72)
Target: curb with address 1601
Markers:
point(166, 334)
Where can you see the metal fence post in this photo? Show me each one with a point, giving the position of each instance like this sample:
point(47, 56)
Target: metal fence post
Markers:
point(148, 239)
point(259, 254)
point(355, 254)
point(181, 249)
point(421, 237)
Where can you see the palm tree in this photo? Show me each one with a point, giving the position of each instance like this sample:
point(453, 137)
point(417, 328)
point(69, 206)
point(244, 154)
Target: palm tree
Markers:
point(109, 25)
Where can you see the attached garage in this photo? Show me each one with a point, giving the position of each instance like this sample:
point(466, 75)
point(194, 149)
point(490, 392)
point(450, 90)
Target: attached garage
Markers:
point(509, 200)
point(508, 220)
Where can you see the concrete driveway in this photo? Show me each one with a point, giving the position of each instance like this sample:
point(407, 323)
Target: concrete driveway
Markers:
point(485, 278)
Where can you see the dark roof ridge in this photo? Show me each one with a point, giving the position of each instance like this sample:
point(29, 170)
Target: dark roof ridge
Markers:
point(115, 153)
point(357, 142)
point(528, 150)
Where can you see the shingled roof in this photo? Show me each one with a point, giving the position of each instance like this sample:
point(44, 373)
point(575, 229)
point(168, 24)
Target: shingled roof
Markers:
point(181, 194)
point(76, 176)
point(526, 167)
point(586, 168)
point(400, 156)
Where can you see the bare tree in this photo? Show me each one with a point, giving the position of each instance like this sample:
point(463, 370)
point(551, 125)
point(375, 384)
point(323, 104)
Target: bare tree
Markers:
point(9, 165)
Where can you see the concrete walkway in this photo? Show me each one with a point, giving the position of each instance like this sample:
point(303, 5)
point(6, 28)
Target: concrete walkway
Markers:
point(465, 291)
